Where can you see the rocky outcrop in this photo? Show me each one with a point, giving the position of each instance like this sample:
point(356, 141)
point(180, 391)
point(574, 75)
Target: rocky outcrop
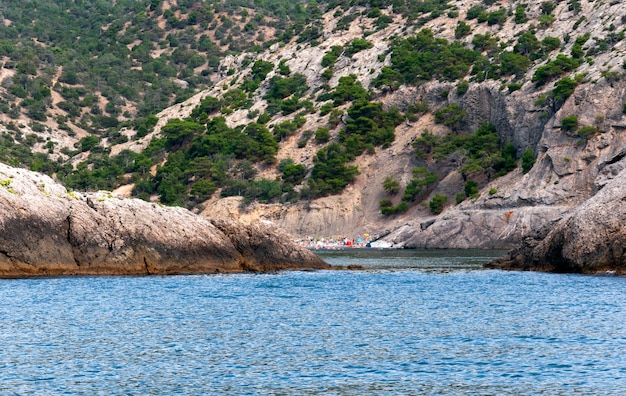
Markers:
point(46, 230)
point(590, 239)
point(570, 169)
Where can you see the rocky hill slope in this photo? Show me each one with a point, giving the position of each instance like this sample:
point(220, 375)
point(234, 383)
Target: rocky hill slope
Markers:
point(571, 165)
point(448, 124)
point(46, 230)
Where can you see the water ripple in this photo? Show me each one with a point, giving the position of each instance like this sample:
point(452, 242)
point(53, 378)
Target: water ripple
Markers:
point(394, 329)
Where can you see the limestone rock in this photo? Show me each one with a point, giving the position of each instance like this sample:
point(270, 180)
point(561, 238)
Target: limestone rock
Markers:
point(590, 239)
point(46, 230)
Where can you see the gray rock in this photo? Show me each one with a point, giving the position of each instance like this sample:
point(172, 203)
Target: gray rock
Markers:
point(46, 230)
point(590, 239)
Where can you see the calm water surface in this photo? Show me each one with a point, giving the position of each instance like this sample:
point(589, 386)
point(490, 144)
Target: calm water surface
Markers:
point(415, 322)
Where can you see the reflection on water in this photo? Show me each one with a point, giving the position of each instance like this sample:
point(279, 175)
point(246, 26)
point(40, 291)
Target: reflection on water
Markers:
point(430, 322)
point(436, 260)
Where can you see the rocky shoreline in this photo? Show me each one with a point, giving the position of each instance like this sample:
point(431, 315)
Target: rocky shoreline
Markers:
point(589, 239)
point(46, 230)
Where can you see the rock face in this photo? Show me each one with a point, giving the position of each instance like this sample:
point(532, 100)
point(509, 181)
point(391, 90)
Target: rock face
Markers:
point(46, 230)
point(569, 170)
point(589, 239)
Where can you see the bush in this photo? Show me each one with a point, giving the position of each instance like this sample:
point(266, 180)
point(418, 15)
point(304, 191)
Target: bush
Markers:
point(462, 29)
point(569, 123)
point(260, 69)
point(88, 142)
point(419, 184)
point(387, 208)
point(203, 189)
point(293, 173)
point(528, 160)
point(357, 45)
point(330, 175)
point(587, 131)
point(564, 88)
point(471, 189)
point(437, 203)
point(520, 15)
point(391, 185)
point(474, 12)
point(424, 58)
point(322, 135)
point(560, 65)
point(462, 87)
point(451, 116)
point(329, 59)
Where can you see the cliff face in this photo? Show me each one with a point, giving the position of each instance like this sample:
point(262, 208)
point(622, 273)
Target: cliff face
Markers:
point(589, 239)
point(46, 230)
point(569, 170)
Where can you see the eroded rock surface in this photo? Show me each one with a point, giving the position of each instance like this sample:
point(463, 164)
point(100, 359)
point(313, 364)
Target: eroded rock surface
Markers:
point(46, 230)
point(589, 239)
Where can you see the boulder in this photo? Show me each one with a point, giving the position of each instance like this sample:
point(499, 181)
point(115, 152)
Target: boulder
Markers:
point(589, 239)
point(46, 230)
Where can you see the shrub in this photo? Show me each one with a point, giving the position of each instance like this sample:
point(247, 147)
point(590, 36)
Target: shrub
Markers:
point(528, 160)
point(387, 208)
point(260, 69)
point(462, 29)
point(88, 142)
point(322, 135)
point(451, 116)
point(437, 203)
point(203, 189)
point(471, 189)
point(423, 58)
point(512, 63)
point(330, 175)
point(564, 88)
point(331, 57)
point(550, 43)
point(357, 45)
point(293, 173)
point(462, 87)
point(421, 178)
point(348, 89)
point(587, 131)
point(569, 123)
point(520, 15)
point(560, 65)
point(391, 185)
point(474, 12)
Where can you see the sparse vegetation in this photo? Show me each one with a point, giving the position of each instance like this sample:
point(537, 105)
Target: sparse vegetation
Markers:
point(120, 63)
point(437, 203)
point(528, 160)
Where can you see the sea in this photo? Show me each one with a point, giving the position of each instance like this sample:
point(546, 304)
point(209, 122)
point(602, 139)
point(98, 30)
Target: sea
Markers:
point(412, 322)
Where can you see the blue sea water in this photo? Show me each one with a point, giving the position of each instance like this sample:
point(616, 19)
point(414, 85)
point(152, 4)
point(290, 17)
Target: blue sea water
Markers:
point(414, 322)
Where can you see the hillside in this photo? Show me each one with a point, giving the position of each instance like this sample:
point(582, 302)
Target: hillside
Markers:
point(442, 123)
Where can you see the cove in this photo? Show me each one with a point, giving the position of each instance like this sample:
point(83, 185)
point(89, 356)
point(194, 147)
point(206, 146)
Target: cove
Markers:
point(412, 322)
